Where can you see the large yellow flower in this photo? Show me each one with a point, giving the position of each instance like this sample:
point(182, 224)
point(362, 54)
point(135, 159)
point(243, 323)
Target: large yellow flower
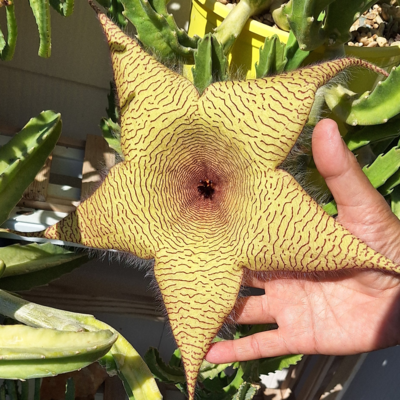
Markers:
point(200, 190)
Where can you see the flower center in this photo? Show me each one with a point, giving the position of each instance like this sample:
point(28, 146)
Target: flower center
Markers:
point(206, 188)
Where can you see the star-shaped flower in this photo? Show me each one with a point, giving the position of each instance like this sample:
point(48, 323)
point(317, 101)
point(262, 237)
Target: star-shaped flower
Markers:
point(201, 192)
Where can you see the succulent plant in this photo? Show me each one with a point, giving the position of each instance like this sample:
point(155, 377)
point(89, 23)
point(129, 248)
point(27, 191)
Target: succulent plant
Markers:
point(41, 12)
point(74, 339)
point(199, 188)
point(23, 157)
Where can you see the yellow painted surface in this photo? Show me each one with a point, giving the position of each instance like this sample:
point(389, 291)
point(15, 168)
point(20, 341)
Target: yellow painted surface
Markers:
point(206, 15)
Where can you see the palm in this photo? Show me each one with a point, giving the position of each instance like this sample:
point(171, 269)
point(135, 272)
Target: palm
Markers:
point(346, 313)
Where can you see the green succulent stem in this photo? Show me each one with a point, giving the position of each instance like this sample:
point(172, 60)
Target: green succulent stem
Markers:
point(35, 315)
point(41, 11)
point(233, 24)
point(157, 30)
point(280, 10)
point(7, 48)
point(136, 376)
point(23, 157)
point(64, 7)
point(324, 22)
point(372, 134)
point(366, 108)
point(340, 15)
point(138, 380)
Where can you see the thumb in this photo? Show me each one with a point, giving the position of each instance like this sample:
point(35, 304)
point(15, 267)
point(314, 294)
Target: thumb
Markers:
point(340, 169)
point(361, 208)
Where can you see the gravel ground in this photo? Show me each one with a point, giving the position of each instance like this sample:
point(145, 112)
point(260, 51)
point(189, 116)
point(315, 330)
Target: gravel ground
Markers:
point(377, 27)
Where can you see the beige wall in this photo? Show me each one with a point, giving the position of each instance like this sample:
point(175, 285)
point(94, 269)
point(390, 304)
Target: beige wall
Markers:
point(73, 81)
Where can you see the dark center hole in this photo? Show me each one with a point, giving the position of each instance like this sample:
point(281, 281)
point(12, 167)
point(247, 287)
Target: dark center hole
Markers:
point(206, 189)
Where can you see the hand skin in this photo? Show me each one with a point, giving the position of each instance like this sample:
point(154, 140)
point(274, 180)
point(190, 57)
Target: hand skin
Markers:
point(346, 313)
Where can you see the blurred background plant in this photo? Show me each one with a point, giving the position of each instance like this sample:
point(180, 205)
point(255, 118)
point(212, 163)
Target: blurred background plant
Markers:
point(302, 32)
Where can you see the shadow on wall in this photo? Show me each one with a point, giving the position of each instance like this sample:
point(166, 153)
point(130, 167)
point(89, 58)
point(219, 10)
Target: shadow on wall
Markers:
point(377, 377)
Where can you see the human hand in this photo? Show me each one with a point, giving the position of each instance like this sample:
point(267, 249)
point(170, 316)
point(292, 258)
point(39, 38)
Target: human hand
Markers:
point(346, 313)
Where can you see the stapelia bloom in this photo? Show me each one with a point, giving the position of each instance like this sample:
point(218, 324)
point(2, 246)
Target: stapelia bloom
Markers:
point(200, 190)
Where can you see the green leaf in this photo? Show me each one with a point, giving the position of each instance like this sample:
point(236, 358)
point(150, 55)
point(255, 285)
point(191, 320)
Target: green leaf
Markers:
point(161, 370)
point(219, 61)
point(236, 382)
point(210, 371)
point(367, 109)
point(383, 167)
point(176, 359)
point(160, 6)
point(340, 17)
point(251, 372)
point(246, 391)
point(216, 385)
point(279, 10)
point(395, 201)
point(112, 134)
point(23, 157)
point(158, 31)
point(115, 13)
point(373, 133)
point(34, 265)
point(303, 20)
point(42, 277)
point(378, 173)
point(202, 70)
point(390, 184)
point(24, 259)
point(110, 126)
point(108, 363)
point(64, 7)
point(41, 352)
point(112, 109)
point(138, 380)
point(273, 364)
point(253, 369)
point(272, 57)
point(133, 371)
point(294, 55)
point(41, 11)
point(330, 208)
point(7, 49)
point(128, 387)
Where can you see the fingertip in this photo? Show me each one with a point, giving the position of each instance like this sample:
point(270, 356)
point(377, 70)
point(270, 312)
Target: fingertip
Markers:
point(215, 353)
point(329, 152)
